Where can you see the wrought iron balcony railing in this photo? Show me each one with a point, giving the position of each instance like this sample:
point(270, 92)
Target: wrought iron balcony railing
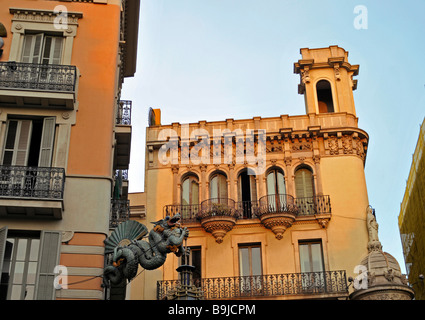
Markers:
point(188, 212)
point(120, 212)
point(247, 209)
point(288, 284)
point(32, 182)
point(124, 112)
point(218, 207)
point(37, 77)
point(313, 205)
point(275, 203)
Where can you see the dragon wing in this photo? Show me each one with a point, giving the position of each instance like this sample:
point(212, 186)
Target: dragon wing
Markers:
point(125, 233)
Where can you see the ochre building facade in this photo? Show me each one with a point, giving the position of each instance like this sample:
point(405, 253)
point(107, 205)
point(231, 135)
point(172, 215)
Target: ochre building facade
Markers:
point(276, 207)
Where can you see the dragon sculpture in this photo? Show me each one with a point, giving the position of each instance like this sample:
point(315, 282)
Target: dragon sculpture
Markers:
point(129, 250)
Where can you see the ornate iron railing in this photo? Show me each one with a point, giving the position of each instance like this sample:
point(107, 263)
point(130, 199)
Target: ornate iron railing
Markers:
point(120, 212)
point(188, 212)
point(247, 209)
point(218, 207)
point(38, 77)
point(313, 205)
point(32, 182)
point(306, 283)
point(124, 112)
point(276, 203)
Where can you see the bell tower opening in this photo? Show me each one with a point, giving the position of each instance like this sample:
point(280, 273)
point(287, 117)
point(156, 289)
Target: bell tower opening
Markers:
point(324, 96)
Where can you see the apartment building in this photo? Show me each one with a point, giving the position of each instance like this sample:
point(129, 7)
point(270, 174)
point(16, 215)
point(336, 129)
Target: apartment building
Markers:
point(65, 136)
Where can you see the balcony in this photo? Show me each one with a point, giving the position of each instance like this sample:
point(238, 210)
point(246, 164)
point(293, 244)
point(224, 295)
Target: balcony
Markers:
point(188, 212)
point(218, 216)
point(306, 285)
point(123, 134)
point(37, 85)
point(31, 192)
point(120, 212)
point(276, 212)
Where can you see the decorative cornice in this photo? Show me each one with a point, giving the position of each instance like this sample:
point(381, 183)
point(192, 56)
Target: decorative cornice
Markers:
point(44, 16)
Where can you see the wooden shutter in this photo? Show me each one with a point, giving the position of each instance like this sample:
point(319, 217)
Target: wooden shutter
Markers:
point(23, 142)
point(47, 140)
point(17, 144)
point(194, 190)
point(47, 261)
point(253, 187)
point(304, 183)
point(3, 237)
point(32, 48)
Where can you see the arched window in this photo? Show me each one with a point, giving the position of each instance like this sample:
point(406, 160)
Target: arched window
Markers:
point(247, 193)
point(324, 96)
point(275, 182)
point(189, 197)
point(276, 191)
point(190, 191)
point(218, 187)
point(304, 184)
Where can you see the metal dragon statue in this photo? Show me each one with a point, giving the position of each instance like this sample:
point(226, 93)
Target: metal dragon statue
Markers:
point(129, 250)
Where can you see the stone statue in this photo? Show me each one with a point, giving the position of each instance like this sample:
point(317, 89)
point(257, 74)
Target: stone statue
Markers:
point(167, 236)
point(372, 227)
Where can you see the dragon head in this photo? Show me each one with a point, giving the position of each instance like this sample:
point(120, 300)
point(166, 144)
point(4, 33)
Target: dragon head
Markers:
point(167, 222)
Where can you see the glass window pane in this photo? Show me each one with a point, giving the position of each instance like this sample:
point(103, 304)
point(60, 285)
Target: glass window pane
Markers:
point(304, 258)
point(316, 255)
point(280, 183)
point(256, 261)
point(214, 188)
point(185, 192)
point(16, 292)
point(29, 293)
point(35, 246)
point(271, 187)
point(22, 249)
point(31, 274)
point(18, 272)
point(244, 262)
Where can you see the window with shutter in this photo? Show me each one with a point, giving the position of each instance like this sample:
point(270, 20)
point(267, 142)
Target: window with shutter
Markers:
point(275, 182)
point(29, 142)
point(218, 188)
point(17, 143)
point(47, 139)
point(20, 256)
point(304, 183)
point(190, 191)
point(4, 266)
point(42, 49)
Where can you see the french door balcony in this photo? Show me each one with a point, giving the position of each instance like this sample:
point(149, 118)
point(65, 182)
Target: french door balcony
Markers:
point(37, 85)
point(31, 192)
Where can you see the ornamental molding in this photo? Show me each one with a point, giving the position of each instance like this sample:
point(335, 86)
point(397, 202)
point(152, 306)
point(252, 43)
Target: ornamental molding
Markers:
point(43, 16)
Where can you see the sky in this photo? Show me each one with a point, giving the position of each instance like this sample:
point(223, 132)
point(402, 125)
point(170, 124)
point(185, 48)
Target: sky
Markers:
point(218, 59)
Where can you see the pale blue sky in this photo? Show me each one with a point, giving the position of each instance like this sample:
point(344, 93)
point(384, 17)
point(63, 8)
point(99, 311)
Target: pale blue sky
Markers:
point(218, 59)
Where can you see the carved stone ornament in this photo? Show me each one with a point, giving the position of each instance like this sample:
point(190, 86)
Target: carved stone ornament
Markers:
point(277, 222)
point(323, 220)
point(218, 226)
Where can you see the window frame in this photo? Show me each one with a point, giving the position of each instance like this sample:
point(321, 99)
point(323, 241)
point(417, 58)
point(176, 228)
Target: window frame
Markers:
point(250, 246)
point(31, 21)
